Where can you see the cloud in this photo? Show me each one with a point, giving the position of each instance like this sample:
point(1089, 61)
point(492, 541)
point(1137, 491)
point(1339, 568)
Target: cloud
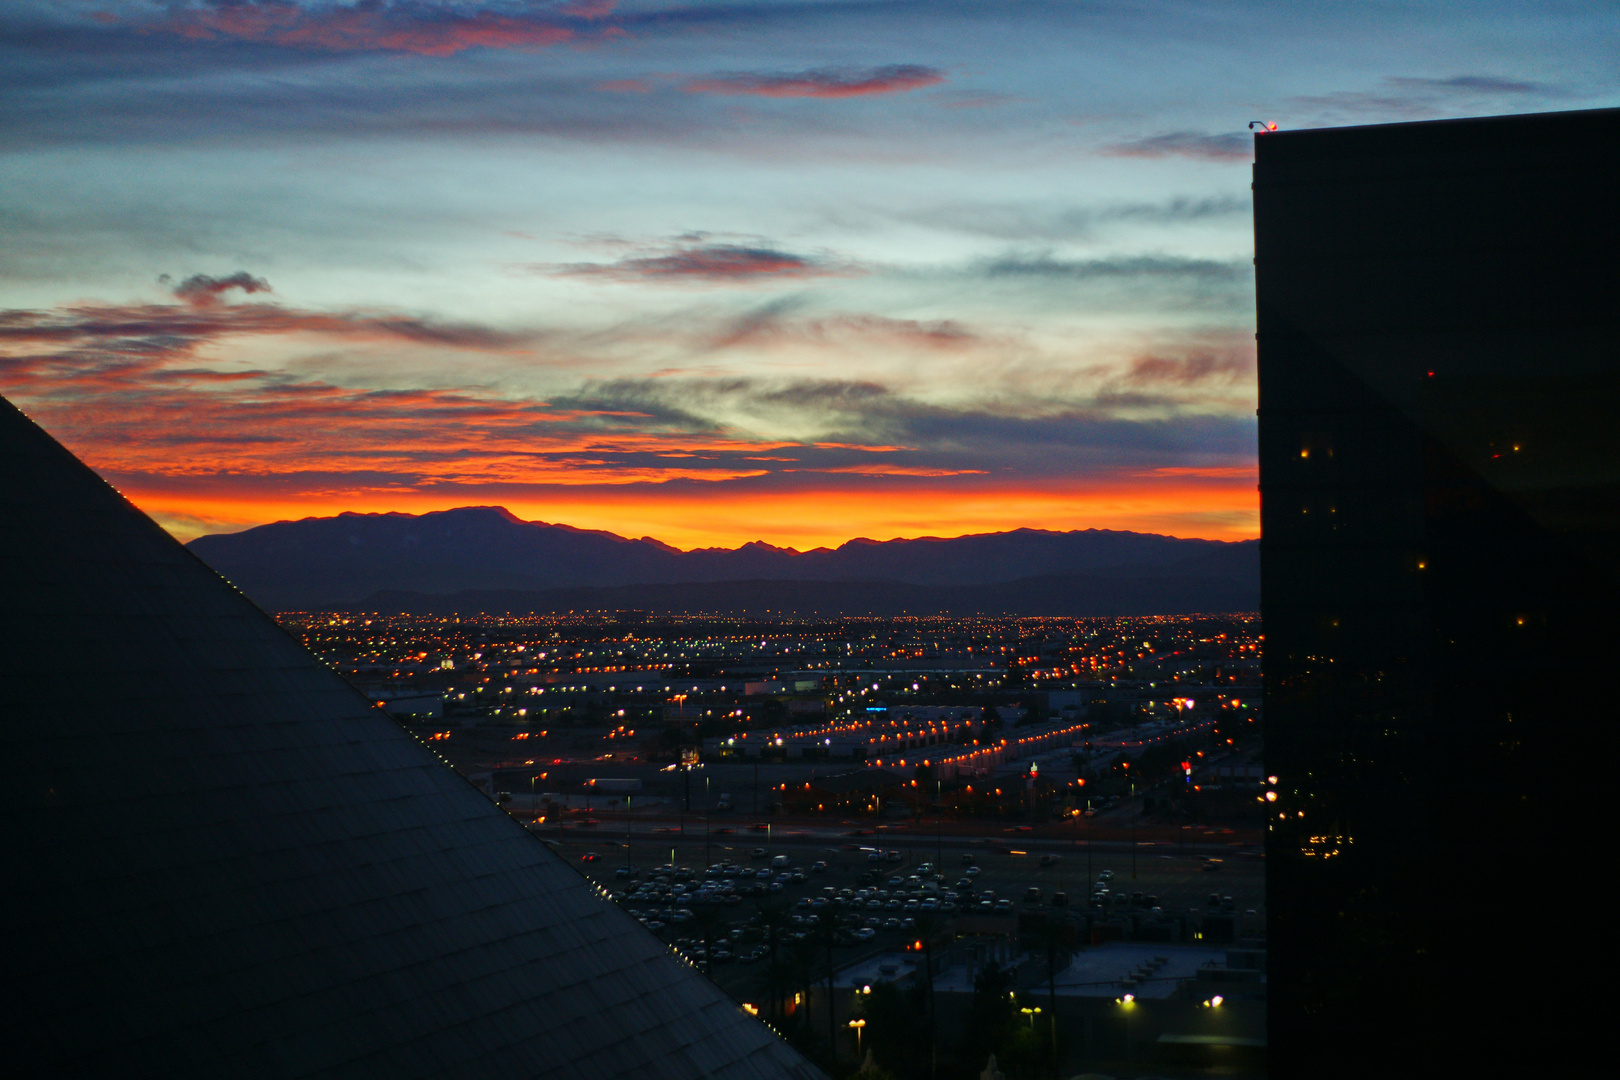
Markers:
point(820, 83)
point(1050, 221)
point(589, 9)
point(1178, 210)
point(1171, 398)
point(157, 397)
point(1136, 266)
point(1197, 367)
point(150, 390)
point(425, 29)
point(1236, 472)
point(706, 264)
point(137, 389)
point(200, 290)
point(1469, 84)
point(169, 330)
point(1229, 147)
point(885, 469)
point(1406, 97)
point(773, 326)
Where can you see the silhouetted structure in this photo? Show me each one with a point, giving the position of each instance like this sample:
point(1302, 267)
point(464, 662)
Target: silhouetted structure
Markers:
point(220, 860)
point(1439, 373)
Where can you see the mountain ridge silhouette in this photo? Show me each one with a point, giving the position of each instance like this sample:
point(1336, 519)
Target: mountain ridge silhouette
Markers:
point(337, 562)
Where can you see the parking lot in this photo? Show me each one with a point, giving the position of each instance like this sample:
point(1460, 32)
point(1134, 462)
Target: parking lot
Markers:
point(874, 894)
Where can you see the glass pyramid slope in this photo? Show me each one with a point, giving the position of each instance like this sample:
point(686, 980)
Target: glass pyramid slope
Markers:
point(218, 858)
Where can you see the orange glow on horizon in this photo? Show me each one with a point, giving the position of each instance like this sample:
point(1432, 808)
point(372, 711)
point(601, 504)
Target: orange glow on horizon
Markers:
point(1223, 507)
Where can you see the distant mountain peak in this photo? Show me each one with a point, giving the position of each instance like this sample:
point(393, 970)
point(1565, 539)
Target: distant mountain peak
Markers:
point(499, 512)
point(319, 562)
point(760, 545)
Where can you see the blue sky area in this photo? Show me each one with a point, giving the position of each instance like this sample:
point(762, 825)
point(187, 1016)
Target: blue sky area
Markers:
point(709, 272)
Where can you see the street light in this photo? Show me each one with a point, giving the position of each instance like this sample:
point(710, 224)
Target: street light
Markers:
point(1128, 1003)
point(857, 1025)
point(1031, 1014)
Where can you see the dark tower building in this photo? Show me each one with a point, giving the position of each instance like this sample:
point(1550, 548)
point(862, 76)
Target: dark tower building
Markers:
point(1439, 356)
point(221, 861)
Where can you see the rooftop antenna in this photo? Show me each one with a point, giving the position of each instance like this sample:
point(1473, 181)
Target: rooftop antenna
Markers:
point(1263, 125)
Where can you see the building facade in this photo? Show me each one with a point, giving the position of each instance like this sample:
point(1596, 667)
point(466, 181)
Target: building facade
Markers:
point(1440, 503)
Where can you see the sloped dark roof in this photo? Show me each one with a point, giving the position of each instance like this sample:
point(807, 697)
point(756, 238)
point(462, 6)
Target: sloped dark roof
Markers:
point(219, 859)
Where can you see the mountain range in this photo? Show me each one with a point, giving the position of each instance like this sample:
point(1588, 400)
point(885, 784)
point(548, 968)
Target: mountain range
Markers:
point(486, 559)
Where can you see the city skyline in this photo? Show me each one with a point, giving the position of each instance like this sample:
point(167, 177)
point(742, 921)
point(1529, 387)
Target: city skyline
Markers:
point(710, 273)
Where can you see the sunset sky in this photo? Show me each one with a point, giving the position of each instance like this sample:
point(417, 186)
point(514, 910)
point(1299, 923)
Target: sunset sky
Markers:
point(707, 272)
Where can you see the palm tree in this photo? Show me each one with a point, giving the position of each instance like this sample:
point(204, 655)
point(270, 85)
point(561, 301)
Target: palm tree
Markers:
point(991, 1020)
point(802, 955)
point(1057, 936)
point(773, 916)
point(929, 924)
point(827, 936)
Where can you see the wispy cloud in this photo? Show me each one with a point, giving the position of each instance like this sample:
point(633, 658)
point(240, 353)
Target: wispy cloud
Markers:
point(1227, 147)
point(1191, 368)
point(1050, 221)
point(1137, 266)
point(820, 83)
point(771, 326)
point(706, 264)
point(1469, 84)
point(1409, 97)
point(426, 29)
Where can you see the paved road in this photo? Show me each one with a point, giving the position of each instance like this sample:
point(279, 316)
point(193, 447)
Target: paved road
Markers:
point(1113, 836)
